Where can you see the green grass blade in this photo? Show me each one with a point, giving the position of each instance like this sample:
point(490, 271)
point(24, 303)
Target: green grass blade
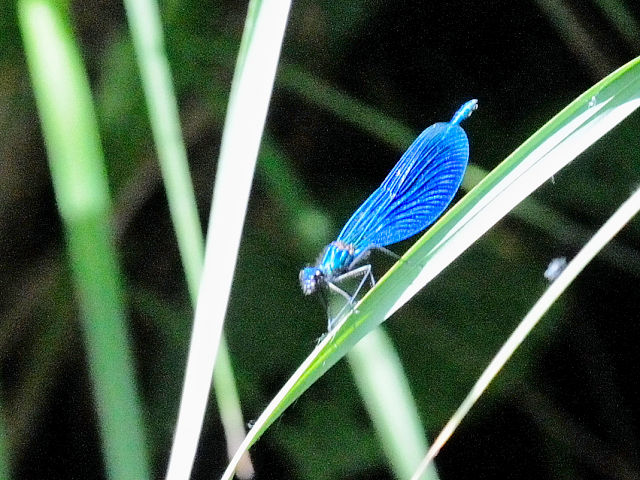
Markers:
point(552, 147)
point(229, 407)
point(612, 226)
point(244, 123)
point(384, 388)
point(78, 171)
point(146, 30)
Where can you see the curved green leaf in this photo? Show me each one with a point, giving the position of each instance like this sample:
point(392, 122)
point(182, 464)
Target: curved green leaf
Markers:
point(619, 219)
point(559, 141)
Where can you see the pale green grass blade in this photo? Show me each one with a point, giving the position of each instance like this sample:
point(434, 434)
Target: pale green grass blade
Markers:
point(604, 235)
point(244, 123)
point(552, 147)
point(384, 388)
point(228, 400)
point(146, 31)
point(368, 359)
point(79, 179)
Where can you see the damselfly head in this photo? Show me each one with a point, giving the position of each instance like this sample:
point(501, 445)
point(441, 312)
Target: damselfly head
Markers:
point(310, 278)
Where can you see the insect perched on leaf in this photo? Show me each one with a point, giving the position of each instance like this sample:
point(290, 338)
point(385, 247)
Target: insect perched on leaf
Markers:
point(412, 197)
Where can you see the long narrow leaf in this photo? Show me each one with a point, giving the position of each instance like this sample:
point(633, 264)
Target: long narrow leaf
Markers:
point(146, 30)
point(244, 123)
point(384, 388)
point(78, 171)
point(612, 226)
point(552, 147)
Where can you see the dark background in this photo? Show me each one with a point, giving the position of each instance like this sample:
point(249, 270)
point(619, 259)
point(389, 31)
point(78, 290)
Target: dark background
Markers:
point(565, 407)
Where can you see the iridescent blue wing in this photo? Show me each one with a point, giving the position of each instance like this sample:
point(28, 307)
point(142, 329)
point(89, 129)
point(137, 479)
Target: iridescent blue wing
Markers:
point(416, 191)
